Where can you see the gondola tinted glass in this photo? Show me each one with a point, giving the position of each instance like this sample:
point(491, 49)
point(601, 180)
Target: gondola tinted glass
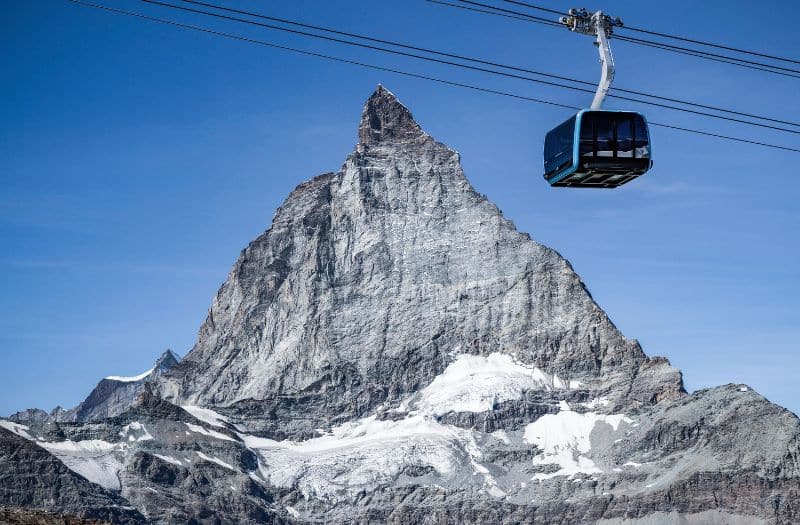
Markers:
point(609, 149)
point(558, 146)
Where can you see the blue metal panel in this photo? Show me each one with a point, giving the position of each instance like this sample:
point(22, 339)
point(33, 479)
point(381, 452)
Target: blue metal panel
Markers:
point(569, 170)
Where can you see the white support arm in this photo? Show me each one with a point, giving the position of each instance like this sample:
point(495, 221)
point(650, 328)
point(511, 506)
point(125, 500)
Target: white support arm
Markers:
point(606, 62)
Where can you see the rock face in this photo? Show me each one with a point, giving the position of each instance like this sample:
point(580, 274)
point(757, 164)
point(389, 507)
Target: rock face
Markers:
point(32, 477)
point(113, 395)
point(370, 277)
point(393, 350)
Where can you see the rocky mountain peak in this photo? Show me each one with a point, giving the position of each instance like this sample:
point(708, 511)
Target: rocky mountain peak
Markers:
point(167, 360)
point(386, 119)
point(370, 280)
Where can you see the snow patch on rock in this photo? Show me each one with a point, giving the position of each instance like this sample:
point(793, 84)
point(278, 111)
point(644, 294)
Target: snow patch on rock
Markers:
point(206, 432)
point(94, 459)
point(474, 383)
point(206, 415)
point(564, 439)
point(169, 459)
point(217, 461)
point(135, 432)
point(16, 428)
point(130, 379)
point(363, 454)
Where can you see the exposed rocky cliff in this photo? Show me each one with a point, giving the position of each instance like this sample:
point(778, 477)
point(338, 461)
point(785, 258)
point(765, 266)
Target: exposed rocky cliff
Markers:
point(371, 277)
point(393, 350)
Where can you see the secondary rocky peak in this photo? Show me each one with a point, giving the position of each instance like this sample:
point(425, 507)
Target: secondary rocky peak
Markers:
point(386, 119)
point(114, 394)
point(167, 360)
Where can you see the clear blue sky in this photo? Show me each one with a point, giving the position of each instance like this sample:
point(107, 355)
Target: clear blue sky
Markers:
point(138, 160)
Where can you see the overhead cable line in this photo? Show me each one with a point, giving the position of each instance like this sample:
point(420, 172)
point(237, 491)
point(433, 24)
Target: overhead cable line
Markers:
point(698, 54)
point(445, 62)
point(543, 20)
point(525, 18)
point(481, 61)
point(725, 59)
point(769, 68)
point(348, 61)
point(708, 54)
point(666, 35)
point(401, 72)
point(538, 8)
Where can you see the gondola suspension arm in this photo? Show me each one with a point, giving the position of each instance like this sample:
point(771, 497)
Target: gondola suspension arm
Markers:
point(601, 26)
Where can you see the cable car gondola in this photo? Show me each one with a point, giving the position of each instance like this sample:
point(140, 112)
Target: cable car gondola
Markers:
point(597, 148)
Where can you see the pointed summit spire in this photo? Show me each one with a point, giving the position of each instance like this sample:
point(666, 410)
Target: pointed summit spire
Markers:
point(385, 118)
point(167, 360)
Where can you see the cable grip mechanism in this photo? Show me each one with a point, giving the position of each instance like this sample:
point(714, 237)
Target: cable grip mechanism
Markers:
point(601, 26)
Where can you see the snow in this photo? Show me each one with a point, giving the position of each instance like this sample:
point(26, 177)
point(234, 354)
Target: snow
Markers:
point(292, 511)
point(474, 455)
point(131, 379)
point(89, 446)
point(562, 384)
point(364, 432)
point(94, 459)
point(217, 461)
point(363, 454)
point(597, 402)
point(206, 415)
point(169, 459)
point(564, 439)
point(473, 383)
point(206, 432)
point(16, 428)
point(632, 464)
point(255, 477)
point(135, 432)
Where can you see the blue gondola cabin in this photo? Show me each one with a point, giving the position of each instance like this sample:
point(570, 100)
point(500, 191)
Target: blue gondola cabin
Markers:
point(597, 149)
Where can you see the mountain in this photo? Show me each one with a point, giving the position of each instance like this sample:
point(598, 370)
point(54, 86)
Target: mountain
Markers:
point(393, 350)
point(31, 477)
point(370, 277)
point(114, 394)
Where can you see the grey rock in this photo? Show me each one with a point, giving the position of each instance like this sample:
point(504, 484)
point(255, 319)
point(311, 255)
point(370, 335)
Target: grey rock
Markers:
point(24, 516)
point(112, 397)
point(30, 477)
point(369, 277)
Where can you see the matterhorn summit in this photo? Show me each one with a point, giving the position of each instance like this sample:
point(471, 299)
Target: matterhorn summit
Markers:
point(393, 350)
